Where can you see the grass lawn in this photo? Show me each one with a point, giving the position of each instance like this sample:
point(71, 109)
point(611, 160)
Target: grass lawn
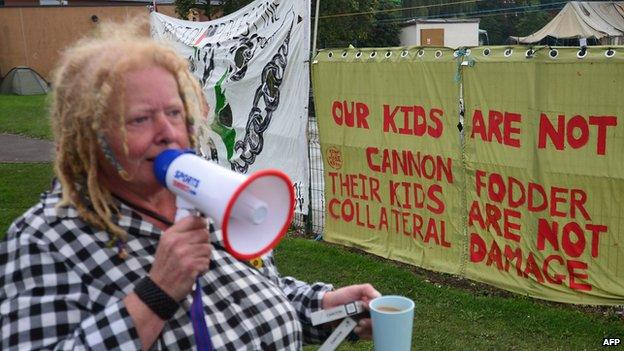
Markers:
point(20, 187)
point(25, 115)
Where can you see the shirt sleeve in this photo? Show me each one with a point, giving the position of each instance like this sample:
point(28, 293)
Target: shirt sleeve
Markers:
point(45, 305)
point(306, 298)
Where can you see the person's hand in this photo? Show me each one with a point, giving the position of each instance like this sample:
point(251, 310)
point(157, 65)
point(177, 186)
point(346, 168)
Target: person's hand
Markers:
point(362, 292)
point(183, 253)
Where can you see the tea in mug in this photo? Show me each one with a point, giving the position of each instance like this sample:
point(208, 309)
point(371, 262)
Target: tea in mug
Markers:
point(388, 309)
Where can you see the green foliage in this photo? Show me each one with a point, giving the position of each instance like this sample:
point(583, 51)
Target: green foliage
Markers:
point(25, 115)
point(348, 22)
point(531, 22)
point(523, 17)
point(435, 8)
point(182, 7)
point(234, 5)
point(385, 30)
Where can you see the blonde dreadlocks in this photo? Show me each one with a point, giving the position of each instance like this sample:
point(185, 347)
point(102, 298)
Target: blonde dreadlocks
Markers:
point(87, 96)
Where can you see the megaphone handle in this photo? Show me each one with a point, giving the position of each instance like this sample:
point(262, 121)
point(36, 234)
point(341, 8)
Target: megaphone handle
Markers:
point(185, 208)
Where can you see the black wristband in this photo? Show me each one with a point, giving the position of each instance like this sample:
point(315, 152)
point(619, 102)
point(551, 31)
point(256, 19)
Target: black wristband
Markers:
point(156, 299)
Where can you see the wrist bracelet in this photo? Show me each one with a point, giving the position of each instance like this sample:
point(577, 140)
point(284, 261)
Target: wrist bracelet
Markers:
point(156, 299)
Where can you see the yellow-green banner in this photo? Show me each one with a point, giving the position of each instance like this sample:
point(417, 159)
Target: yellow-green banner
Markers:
point(501, 164)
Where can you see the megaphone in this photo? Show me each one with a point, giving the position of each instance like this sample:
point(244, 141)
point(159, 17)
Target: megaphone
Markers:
point(253, 212)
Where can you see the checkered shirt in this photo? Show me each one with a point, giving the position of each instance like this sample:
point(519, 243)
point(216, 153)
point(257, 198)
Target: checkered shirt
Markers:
point(62, 286)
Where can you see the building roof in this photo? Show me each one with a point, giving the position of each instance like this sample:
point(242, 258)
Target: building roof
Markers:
point(442, 20)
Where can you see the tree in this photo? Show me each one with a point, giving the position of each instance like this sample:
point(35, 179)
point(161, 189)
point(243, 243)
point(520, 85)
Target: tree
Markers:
point(230, 6)
point(386, 26)
point(356, 22)
point(518, 17)
point(182, 7)
point(531, 22)
point(345, 22)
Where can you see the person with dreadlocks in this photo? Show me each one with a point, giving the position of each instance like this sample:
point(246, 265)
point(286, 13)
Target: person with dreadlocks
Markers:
point(98, 263)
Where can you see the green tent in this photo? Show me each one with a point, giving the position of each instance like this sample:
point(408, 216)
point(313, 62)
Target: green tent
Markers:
point(23, 81)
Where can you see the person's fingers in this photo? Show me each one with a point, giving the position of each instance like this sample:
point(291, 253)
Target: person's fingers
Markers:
point(189, 223)
point(369, 291)
point(188, 237)
point(204, 250)
point(364, 328)
point(196, 236)
point(360, 292)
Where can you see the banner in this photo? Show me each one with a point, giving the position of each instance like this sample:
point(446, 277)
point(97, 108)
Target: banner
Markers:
point(391, 153)
point(545, 172)
point(253, 68)
point(524, 194)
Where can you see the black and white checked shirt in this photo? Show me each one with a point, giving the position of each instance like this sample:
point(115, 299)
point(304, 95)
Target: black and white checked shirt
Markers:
point(62, 286)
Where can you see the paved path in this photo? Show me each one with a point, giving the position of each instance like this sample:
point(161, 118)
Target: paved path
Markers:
point(20, 149)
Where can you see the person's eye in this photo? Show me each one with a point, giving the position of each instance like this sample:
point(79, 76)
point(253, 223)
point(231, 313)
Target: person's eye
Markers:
point(174, 112)
point(138, 120)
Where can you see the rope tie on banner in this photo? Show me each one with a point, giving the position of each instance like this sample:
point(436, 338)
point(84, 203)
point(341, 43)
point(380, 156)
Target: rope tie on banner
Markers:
point(462, 53)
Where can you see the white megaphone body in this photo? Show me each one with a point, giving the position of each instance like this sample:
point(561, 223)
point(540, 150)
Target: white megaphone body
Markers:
point(253, 212)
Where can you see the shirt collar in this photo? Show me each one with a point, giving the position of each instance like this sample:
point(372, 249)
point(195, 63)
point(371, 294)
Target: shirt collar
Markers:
point(127, 218)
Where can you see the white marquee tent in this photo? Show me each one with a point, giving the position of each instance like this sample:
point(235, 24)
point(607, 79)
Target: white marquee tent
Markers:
point(600, 20)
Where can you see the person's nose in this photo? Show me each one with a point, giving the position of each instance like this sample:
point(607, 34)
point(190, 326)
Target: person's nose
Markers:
point(165, 129)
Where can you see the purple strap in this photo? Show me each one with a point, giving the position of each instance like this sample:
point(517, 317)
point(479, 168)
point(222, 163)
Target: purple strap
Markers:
point(202, 336)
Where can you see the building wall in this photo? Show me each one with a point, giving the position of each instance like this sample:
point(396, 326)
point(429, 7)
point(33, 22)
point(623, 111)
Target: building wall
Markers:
point(35, 36)
point(455, 34)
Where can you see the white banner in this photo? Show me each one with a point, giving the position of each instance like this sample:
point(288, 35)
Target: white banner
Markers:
point(253, 67)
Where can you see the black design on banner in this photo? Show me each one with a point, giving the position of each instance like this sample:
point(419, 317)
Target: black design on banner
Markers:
point(268, 94)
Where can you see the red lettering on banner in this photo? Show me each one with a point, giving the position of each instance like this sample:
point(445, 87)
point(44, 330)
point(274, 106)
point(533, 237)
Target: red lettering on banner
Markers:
point(512, 193)
point(499, 127)
point(575, 132)
point(573, 240)
point(414, 196)
point(358, 186)
point(413, 120)
point(545, 273)
point(502, 221)
point(383, 219)
point(428, 230)
point(350, 114)
point(409, 163)
point(572, 272)
point(511, 256)
point(350, 211)
point(495, 256)
point(532, 268)
point(557, 278)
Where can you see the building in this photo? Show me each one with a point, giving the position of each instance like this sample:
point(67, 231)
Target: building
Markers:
point(452, 33)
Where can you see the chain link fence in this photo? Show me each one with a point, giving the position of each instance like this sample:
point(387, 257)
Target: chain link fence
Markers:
point(312, 223)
